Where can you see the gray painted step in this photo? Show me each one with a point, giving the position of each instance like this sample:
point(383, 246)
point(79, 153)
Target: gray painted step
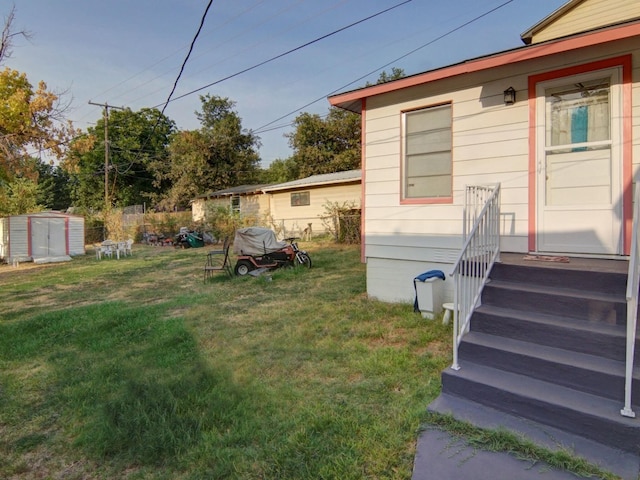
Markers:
point(605, 282)
point(580, 413)
point(586, 373)
point(592, 338)
point(585, 305)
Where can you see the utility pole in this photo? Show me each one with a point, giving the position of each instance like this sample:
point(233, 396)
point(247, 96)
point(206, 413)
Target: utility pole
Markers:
point(106, 108)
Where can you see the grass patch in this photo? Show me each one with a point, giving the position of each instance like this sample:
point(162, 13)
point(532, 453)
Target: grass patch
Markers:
point(135, 368)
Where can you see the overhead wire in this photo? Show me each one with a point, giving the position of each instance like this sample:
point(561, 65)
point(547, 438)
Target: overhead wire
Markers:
point(288, 52)
point(193, 42)
point(239, 34)
point(227, 21)
point(440, 37)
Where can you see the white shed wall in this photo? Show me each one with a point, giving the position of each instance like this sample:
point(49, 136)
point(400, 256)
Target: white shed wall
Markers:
point(14, 235)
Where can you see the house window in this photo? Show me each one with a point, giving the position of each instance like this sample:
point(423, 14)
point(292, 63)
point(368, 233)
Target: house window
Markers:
point(235, 203)
point(299, 199)
point(427, 153)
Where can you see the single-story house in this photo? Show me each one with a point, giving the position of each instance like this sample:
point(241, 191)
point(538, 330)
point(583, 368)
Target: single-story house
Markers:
point(41, 237)
point(494, 169)
point(554, 122)
point(244, 199)
point(300, 204)
point(291, 207)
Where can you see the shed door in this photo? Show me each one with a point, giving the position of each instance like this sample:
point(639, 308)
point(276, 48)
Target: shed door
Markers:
point(48, 237)
point(579, 165)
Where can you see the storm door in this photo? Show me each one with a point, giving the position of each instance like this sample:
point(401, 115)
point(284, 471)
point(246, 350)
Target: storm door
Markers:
point(579, 206)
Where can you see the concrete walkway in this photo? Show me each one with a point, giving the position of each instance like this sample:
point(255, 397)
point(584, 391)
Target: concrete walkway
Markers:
point(441, 456)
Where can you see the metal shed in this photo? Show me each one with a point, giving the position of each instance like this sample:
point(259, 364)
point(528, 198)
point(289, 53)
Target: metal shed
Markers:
point(41, 237)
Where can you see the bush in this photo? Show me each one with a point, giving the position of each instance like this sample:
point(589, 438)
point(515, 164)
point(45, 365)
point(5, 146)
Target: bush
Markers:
point(342, 221)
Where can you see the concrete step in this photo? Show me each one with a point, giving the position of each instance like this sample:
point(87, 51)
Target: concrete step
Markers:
point(587, 373)
point(580, 413)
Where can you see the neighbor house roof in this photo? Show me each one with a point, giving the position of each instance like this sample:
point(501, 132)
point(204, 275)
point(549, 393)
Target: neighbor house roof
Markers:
point(354, 100)
point(318, 180)
point(239, 190)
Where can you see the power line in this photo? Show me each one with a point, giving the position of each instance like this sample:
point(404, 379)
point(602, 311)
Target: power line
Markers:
point(193, 42)
point(287, 52)
point(261, 129)
point(226, 22)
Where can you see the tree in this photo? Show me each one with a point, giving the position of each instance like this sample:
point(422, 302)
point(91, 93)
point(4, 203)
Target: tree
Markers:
point(396, 73)
point(137, 142)
point(326, 145)
point(29, 119)
point(219, 155)
point(18, 197)
point(280, 171)
point(54, 187)
point(7, 36)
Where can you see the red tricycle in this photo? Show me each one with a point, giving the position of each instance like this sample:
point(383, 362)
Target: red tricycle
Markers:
point(258, 248)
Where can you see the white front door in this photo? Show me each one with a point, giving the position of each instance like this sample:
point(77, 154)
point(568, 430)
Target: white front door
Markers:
point(579, 165)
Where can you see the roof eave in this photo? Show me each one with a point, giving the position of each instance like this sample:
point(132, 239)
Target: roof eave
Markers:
point(347, 100)
point(312, 184)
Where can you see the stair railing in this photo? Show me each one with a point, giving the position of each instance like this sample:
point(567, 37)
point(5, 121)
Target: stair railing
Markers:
point(633, 281)
point(480, 250)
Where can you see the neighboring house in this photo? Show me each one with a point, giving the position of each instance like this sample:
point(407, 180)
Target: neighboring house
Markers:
point(293, 206)
point(553, 121)
point(41, 237)
point(245, 199)
point(300, 204)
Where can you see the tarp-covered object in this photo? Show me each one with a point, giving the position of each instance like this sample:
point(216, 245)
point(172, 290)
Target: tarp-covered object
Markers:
point(256, 241)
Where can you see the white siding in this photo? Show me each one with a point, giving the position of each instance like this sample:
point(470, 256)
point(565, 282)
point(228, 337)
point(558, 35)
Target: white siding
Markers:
point(491, 144)
point(18, 238)
point(295, 219)
point(392, 280)
point(76, 236)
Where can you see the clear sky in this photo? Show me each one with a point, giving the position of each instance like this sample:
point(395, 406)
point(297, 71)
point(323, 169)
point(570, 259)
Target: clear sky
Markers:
point(129, 52)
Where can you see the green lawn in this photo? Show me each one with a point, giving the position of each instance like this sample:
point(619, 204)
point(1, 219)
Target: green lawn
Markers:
point(135, 368)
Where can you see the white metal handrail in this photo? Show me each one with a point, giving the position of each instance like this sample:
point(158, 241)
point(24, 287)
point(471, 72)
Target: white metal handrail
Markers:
point(633, 281)
point(481, 248)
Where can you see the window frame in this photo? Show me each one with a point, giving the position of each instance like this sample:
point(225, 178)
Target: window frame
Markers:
point(301, 195)
point(235, 203)
point(404, 199)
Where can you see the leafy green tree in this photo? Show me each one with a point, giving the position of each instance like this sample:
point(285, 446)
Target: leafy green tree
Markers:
point(219, 155)
point(138, 141)
point(326, 145)
point(280, 171)
point(19, 196)
point(54, 189)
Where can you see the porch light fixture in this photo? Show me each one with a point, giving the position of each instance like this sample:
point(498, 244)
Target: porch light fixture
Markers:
point(509, 96)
